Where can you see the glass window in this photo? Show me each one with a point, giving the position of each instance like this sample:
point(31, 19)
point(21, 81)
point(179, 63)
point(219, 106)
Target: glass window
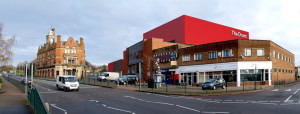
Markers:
point(266, 74)
point(278, 56)
point(198, 56)
point(212, 55)
point(260, 52)
point(282, 57)
point(274, 54)
point(226, 53)
point(247, 52)
point(251, 75)
point(186, 58)
point(274, 70)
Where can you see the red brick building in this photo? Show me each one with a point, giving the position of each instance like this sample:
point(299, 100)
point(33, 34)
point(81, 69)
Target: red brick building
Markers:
point(60, 57)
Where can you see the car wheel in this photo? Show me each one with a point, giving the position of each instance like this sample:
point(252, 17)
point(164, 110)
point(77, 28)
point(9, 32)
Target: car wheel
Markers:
point(77, 89)
point(57, 87)
point(214, 88)
point(203, 88)
point(65, 89)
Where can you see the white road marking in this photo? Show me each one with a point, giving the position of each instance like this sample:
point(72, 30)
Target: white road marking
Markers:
point(235, 102)
point(188, 108)
point(239, 100)
point(288, 98)
point(268, 103)
point(275, 101)
point(216, 112)
point(275, 90)
point(117, 109)
point(288, 90)
point(59, 108)
point(296, 91)
point(149, 101)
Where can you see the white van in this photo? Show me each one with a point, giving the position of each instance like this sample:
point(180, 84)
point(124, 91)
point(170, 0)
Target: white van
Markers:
point(67, 83)
point(109, 76)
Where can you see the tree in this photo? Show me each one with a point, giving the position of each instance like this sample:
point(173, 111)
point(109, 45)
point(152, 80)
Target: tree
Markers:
point(104, 68)
point(6, 52)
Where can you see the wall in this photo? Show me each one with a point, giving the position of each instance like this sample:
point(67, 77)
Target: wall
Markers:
point(134, 50)
point(190, 30)
point(125, 62)
point(110, 67)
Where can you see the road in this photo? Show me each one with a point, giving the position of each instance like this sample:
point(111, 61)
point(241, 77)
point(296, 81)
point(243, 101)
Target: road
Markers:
point(94, 99)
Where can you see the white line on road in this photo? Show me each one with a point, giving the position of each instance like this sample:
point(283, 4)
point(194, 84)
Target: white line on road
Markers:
point(216, 112)
point(117, 109)
point(188, 108)
point(288, 90)
point(59, 108)
point(296, 91)
point(288, 98)
point(275, 90)
point(235, 102)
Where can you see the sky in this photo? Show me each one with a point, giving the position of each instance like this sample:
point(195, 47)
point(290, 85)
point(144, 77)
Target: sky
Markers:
point(110, 26)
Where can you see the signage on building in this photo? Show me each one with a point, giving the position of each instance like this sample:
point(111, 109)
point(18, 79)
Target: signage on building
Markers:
point(166, 57)
point(239, 34)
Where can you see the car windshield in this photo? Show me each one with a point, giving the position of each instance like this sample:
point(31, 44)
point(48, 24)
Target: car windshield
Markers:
point(210, 80)
point(70, 79)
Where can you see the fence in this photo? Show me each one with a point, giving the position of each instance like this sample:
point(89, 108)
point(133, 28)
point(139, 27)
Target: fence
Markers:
point(103, 83)
point(34, 97)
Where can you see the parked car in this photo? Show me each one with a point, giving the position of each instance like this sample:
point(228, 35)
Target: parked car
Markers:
point(23, 81)
point(67, 83)
point(132, 79)
point(122, 80)
point(214, 83)
point(101, 78)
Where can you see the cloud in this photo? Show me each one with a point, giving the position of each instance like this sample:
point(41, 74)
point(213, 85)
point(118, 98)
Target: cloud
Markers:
point(109, 27)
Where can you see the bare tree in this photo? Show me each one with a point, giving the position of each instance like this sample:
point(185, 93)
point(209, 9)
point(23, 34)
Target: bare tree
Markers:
point(6, 48)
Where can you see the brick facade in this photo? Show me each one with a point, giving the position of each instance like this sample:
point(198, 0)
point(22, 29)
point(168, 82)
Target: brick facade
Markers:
point(61, 57)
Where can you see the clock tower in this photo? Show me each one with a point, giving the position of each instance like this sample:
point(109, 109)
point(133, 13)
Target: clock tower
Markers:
point(51, 36)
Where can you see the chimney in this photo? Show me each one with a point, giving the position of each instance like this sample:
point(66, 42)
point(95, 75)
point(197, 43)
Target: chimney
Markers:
point(58, 41)
point(53, 29)
point(81, 42)
point(76, 41)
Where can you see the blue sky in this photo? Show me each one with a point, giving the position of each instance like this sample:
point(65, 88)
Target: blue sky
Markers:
point(109, 27)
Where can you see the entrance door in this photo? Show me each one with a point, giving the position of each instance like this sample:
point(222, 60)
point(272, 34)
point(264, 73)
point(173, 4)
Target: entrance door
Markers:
point(190, 80)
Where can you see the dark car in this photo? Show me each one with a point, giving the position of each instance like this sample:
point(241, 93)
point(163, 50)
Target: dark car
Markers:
point(130, 79)
point(23, 81)
point(122, 80)
point(214, 83)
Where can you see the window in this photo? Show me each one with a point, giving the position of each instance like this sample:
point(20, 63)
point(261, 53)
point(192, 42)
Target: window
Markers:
point(70, 41)
point(212, 55)
point(260, 52)
point(279, 70)
point(74, 51)
point(278, 56)
point(274, 70)
point(247, 52)
point(274, 54)
point(282, 56)
point(227, 53)
point(198, 56)
point(66, 51)
point(186, 58)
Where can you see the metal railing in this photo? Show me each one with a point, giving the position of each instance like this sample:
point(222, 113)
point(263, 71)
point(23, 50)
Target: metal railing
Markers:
point(34, 97)
point(103, 83)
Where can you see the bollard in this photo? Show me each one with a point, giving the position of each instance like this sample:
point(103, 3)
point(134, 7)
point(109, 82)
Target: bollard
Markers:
point(166, 87)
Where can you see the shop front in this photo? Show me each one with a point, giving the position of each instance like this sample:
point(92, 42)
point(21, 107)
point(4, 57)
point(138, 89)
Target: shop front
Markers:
point(233, 72)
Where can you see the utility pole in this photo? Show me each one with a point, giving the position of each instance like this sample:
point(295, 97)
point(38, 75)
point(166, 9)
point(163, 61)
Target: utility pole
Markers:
point(25, 72)
point(31, 74)
point(140, 75)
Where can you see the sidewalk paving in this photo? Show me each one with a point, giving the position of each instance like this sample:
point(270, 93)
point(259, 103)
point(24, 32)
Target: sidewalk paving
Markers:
point(13, 100)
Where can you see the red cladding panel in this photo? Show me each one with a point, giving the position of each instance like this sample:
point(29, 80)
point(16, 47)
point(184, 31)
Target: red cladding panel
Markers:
point(169, 31)
point(111, 67)
point(199, 32)
point(190, 30)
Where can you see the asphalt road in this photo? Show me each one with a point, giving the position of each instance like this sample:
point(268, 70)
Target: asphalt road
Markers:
point(94, 99)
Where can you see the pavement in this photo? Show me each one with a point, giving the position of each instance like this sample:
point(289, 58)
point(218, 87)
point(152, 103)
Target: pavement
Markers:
point(13, 100)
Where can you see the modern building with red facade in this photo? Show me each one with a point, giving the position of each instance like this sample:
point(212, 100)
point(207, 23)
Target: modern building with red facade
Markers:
point(190, 30)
